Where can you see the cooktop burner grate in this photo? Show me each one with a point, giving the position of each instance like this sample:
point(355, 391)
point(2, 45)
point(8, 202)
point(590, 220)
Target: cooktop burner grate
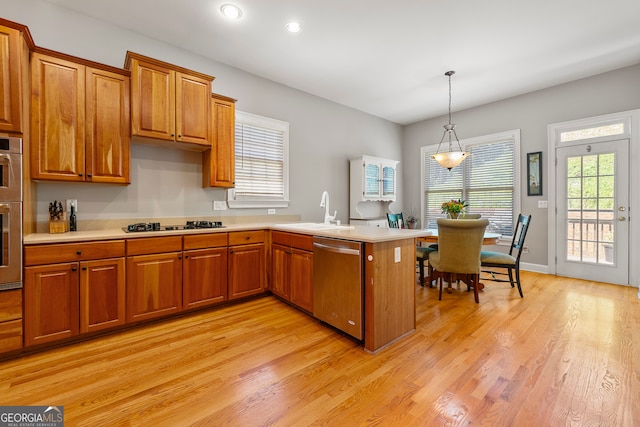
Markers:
point(155, 226)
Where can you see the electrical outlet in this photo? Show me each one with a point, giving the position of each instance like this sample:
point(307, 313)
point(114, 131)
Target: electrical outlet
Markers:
point(219, 206)
point(396, 254)
point(525, 249)
point(72, 202)
point(271, 211)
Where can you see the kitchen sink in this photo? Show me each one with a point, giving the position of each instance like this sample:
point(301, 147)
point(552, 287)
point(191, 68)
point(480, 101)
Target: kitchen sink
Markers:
point(316, 226)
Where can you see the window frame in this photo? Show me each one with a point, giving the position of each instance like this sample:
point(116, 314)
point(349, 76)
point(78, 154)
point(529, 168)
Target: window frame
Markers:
point(236, 201)
point(511, 135)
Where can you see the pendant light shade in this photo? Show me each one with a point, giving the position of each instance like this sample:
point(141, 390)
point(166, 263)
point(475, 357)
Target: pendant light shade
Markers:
point(450, 159)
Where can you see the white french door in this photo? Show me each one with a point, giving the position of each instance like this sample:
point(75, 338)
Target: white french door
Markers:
point(592, 202)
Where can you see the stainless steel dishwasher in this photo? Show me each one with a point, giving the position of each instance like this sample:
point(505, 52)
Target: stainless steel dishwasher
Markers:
point(338, 284)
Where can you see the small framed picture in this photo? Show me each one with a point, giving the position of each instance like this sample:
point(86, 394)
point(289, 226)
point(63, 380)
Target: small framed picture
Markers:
point(534, 174)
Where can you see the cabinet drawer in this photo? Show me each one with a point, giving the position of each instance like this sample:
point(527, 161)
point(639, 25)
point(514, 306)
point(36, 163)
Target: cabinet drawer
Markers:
point(67, 252)
point(10, 305)
point(11, 335)
point(203, 241)
point(154, 245)
point(246, 237)
point(302, 241)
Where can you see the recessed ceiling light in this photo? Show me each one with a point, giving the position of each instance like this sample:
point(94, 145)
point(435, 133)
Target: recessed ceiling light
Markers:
point(231, 11)
point(293, 27)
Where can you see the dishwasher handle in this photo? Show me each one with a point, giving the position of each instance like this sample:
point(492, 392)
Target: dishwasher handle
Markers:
point(337, 249)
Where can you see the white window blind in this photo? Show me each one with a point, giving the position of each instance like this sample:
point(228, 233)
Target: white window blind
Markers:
point(261, 156)
point(487, 180)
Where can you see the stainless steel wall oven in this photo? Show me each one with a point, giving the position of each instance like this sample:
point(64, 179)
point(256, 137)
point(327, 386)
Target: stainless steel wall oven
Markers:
point(11, 212)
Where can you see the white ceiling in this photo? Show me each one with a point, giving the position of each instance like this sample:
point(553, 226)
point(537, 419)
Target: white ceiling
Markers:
point(388, 58)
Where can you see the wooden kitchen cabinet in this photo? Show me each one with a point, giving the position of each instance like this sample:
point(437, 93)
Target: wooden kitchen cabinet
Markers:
point(14, 57)
point(292, 268)
point(218, 164)
point(246, 263)
point(154, 277)
point(10, 320)
point(72, 288)
point(80, 120)
point(169, 103)
point(204, 280)
point(51, 296)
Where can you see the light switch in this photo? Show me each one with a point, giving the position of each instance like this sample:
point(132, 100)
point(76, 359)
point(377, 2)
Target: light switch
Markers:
point(542, 204)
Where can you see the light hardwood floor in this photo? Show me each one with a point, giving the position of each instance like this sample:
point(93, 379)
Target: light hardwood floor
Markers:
point(568, 353)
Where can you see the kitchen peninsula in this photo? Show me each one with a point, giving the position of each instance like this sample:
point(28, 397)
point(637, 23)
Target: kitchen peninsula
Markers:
point(140, 276)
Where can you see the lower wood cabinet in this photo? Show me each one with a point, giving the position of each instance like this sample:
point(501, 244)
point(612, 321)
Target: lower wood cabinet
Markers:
point(67, 298)
point(10, 320)
point(204, 278)
point(154, 277)
point(292, 268)
point(247, 274)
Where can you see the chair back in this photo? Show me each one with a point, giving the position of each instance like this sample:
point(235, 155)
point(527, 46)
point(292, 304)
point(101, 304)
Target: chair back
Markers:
point(395, 220)
point(470, 216)
point(522, 226)
point(460, 244)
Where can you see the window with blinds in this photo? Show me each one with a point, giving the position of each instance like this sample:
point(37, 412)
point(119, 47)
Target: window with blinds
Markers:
point(261, 162)
point(487, 180)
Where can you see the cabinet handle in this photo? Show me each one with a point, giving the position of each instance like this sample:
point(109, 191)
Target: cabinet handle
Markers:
point(74, 269)
point(84, 268)
point(79, 174)
point(172, 135)
point(186, 256)
point(79, 253)
point(89, 175)
point(179, 136)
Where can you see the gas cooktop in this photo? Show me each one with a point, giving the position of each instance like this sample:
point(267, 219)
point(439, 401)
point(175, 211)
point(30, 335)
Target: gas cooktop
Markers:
point(155, 226)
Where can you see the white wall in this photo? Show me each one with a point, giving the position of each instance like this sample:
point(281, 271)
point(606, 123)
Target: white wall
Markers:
point(166, 182)
point(610, 92)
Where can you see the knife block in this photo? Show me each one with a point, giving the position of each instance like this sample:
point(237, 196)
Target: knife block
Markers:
point(58, 226)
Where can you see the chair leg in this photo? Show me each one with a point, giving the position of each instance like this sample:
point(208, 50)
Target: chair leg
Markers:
point(518, 280)
point(421, 267)
point(510, 271)
point(476, 281)
point(440, 283)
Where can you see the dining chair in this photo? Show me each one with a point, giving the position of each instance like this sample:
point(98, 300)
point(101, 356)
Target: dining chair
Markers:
point(510, 261)
point(458, 254)
point(470, 216)
point(422, 253)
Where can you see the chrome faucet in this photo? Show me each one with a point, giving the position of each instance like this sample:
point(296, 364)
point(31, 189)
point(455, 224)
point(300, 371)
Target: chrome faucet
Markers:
point(324, 203)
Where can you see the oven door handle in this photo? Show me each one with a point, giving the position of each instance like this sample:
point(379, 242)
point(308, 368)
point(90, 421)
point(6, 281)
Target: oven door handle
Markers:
point(5, 159)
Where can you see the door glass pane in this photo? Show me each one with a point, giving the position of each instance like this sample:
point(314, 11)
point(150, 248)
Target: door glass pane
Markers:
point(388, 181)
point(371, 179)
point(590, 209)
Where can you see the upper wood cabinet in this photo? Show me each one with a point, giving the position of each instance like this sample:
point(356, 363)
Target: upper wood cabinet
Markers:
point(79, 121)
point(14, 57)
point(218, 164)
point(169, 103)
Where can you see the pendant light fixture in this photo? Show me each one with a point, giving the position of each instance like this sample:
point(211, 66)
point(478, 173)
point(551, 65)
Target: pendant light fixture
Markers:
point(450, 159)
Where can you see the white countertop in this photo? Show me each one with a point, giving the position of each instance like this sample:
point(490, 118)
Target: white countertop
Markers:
point(357, 233)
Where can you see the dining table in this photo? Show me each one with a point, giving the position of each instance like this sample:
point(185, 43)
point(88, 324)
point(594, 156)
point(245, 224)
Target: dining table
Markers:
point(488, 238)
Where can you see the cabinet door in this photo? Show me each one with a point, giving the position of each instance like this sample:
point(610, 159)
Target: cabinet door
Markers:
point(102, 294)
point(10, 80)
point(219, 163)
point(246, 270)
point(280, 256)
point(205, 277)
point(50, 302)
point(57, 119)
point(193, 109)
point(152, 101)
point(388, 182)
point(108, 126)
point(371, 181)
point(301, 278)
point(154, 285)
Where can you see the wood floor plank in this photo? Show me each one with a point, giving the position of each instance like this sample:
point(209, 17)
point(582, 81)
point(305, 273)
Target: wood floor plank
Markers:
point(568, 353)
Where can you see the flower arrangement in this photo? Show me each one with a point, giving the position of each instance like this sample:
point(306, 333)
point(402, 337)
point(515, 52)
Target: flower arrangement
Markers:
point(454, 206)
